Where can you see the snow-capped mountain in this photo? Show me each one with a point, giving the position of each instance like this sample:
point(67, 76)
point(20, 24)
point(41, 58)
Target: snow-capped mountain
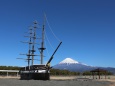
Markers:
point(68, 61)
point(73, 65)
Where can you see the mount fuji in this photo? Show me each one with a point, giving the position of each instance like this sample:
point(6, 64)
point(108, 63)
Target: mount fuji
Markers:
point(72, 65)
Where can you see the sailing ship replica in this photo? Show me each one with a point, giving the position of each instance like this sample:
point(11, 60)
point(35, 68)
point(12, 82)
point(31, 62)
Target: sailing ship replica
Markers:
point(41, 71)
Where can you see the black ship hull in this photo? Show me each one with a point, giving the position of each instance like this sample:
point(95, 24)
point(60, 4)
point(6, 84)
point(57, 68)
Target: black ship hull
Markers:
point(35, 76)
point(36, 72)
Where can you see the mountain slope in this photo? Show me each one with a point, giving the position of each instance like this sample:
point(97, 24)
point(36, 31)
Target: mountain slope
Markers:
point(72, 65)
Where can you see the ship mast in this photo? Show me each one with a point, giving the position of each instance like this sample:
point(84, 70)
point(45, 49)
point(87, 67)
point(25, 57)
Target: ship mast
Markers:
point(34, 39)
point(42, 43)
point(29, 50)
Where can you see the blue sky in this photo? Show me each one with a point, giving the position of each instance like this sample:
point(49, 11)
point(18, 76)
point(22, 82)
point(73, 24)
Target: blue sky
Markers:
point(86, 28)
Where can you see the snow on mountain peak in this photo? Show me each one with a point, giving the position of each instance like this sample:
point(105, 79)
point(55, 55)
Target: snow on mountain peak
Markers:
point(68, 61)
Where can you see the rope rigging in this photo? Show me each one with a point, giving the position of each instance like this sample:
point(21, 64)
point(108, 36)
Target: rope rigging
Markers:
point(52, 30)
point(47, 38)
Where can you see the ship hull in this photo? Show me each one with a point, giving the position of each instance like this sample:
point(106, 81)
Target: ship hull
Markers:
point(37, 72)
point(35, 76)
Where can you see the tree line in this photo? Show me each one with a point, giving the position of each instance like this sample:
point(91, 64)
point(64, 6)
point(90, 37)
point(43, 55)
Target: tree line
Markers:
point(62, 72)
point(101, 73)
point(9, 68)
point(66, 72)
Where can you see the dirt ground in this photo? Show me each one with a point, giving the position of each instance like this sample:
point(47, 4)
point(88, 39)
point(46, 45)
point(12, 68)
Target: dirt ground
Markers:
point(61, 80)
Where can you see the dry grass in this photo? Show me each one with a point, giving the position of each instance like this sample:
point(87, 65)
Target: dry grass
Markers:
point(63, 77)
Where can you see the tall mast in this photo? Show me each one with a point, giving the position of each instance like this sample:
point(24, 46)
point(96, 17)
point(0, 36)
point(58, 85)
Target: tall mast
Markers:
point(32, 41)
point(29, 50)
point(34, 38)
point(42, 44)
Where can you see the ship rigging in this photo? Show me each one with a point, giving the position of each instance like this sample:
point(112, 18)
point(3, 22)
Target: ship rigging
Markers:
point(41, 71)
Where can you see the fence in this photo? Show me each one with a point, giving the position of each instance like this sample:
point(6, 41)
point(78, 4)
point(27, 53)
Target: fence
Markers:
point(9, 73)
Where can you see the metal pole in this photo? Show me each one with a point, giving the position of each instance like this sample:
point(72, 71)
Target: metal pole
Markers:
point(17, 74)
point(7, 74)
